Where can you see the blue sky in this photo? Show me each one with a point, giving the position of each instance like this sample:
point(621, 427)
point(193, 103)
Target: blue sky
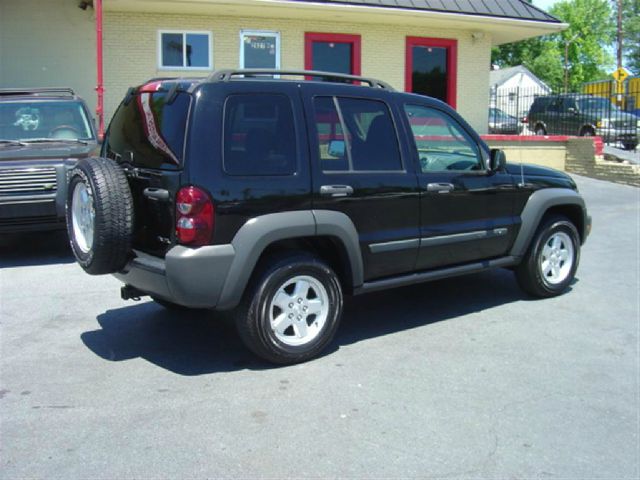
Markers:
point(544, 4)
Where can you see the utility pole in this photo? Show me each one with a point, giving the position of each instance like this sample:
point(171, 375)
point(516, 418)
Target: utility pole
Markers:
point(619, 2)
point(567, 42)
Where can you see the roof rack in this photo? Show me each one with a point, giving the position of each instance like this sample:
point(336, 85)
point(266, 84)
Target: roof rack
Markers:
point(37, 91)
point(226, 75)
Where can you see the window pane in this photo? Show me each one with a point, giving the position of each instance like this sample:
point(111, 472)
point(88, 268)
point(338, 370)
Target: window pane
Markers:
point(429, 71)
point(259, 51)
point(441, 143)
point(172, 50)
point(197, 50)
point(151, 129)
point(332, 57)
point(259, 135)
point(331, 140)
point(373, 140)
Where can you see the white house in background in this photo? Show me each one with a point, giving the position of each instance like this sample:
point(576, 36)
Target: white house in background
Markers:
point(513, 89)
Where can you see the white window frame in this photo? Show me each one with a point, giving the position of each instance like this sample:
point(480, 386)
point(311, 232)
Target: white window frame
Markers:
point(260, 33)
point(184, 34)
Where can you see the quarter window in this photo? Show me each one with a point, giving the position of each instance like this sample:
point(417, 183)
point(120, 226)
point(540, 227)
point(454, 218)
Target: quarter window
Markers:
point(185, 50)
point(259, 135)
point(355, 135)
point(259, 49)
point(442, 144)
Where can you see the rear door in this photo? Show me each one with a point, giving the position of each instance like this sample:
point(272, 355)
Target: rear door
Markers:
point(361, 168)
point(146, 137)
point(466, 210)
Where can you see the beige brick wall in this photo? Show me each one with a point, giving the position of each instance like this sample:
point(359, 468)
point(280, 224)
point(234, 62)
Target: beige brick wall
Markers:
point(48, 44)
point(131, 52)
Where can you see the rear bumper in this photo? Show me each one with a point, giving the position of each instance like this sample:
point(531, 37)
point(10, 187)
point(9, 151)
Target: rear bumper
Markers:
point(618, 135)
point(192, 277)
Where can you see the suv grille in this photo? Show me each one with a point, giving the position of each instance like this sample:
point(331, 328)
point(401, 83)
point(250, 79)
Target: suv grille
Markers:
point(27, 180)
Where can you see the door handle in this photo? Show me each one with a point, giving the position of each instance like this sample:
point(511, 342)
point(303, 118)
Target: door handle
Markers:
point(156, 194)
point(336, 190)
point(439, 187)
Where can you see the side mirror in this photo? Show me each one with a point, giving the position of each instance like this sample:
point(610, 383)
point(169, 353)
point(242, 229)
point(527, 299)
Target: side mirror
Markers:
point(336, 148)
point(497, 160)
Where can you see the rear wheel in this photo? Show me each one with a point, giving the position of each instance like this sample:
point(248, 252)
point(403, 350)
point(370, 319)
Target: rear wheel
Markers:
point(629, 145)
point(99, 215)
point(540, 130)
point(552, 259)
point(587, 132)
point(292, 310)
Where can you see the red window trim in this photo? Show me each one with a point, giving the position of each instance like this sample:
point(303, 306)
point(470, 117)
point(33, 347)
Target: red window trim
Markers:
point(310, 37)
point(452, 63)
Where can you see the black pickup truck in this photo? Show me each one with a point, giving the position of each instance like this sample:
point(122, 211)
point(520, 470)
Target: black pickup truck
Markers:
point(274, 197)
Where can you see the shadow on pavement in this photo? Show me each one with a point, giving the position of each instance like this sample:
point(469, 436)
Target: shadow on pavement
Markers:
point(204, 342)
point(37, 248)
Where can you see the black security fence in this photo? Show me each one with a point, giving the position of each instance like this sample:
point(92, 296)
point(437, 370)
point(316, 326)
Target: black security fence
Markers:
point(611, 114)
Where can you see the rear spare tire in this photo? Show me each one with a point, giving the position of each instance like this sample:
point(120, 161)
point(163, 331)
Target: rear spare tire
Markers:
point(99, 215)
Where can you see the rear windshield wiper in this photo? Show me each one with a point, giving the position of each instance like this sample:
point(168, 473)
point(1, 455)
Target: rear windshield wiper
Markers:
point(54, 140)
point(16, 143)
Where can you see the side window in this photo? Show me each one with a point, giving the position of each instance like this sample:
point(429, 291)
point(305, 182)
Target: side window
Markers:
point(259, 135)
point(355, 135)
point(441, 143)
point(567, 104)
point(555, 105)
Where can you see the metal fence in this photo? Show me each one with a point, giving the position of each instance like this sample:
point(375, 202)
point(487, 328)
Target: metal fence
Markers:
point(600, 110)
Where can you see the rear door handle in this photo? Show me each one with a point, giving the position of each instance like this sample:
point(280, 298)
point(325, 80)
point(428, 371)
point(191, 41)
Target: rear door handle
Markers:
point(336, 190)
point(440, 187)
point(156, 194)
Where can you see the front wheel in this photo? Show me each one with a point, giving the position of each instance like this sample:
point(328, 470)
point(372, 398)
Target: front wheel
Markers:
point(292, 310)
point(551, 262)
point(540, 130)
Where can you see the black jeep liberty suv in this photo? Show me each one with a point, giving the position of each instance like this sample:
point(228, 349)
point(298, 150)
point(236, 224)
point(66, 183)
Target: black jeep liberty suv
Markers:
point(274, 198)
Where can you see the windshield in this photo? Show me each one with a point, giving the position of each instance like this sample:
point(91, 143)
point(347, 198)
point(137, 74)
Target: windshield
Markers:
point(597, 104)
point(497, 115)
point(43, 119)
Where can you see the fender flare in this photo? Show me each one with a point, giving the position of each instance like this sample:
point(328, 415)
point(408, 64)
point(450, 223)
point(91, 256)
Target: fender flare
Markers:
point(259, 232)
point(537, 205)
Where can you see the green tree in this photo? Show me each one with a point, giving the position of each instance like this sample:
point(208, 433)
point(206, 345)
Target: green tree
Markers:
point(591, 31)
point(631, 39)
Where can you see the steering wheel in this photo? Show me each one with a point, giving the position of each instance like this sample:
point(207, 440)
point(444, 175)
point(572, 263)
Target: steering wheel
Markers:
point(64, 131)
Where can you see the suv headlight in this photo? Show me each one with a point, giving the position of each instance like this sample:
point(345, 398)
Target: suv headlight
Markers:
point(604, 123)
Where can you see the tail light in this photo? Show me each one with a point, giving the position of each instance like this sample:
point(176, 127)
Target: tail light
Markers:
point(524, 120)
point(195, 216)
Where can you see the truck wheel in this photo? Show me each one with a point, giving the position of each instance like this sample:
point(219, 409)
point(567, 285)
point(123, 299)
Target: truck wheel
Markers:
point(99, 215)
point(291, 310)
point(540, 130)
point(552, 259)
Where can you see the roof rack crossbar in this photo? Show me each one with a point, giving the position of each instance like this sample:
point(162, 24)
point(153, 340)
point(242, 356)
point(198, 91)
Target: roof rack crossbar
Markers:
point(226, 75)
point(36, 91)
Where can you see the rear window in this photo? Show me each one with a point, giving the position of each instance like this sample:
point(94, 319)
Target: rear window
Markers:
point(149, 132)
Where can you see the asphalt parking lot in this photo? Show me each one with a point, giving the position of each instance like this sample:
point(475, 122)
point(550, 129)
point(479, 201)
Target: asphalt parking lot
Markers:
point(463, 378)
